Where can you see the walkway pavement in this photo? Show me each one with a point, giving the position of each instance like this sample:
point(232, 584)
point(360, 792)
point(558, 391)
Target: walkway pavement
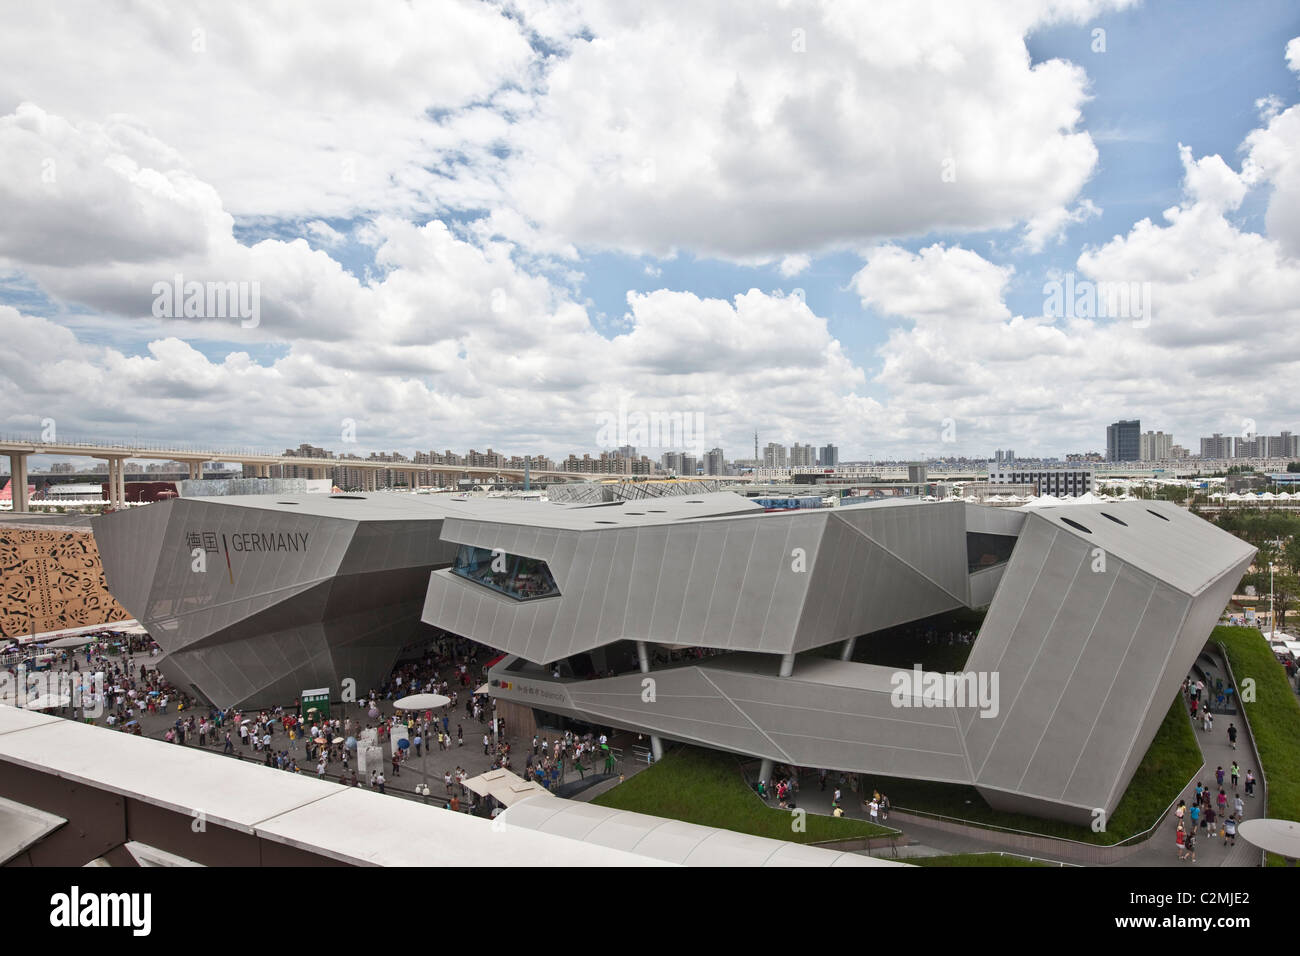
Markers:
point(428, 768)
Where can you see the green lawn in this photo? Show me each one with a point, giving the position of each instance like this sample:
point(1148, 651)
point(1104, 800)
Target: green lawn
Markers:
point(973, 859)
point(706, 787)
point(1170, 762)
point(1274, 717)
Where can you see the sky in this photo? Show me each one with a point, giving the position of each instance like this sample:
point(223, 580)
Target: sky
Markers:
point(908, 228)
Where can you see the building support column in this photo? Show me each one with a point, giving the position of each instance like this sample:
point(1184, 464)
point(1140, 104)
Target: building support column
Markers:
point(767, 766)
point(643, 658)
point(18, 481)
point(121, 482)
point(846, 652)
point(787, 665)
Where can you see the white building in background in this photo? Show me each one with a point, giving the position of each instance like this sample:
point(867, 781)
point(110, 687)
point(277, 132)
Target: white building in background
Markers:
point(1067, 482)
point(1155, 446)
point(803, 456)
point(774, 456)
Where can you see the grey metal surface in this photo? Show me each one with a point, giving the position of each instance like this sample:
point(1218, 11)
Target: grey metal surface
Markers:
point(1091, 629)
point(1090, 634)
point(771, 583)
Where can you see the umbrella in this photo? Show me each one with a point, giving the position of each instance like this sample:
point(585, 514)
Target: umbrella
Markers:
point(247, 720)
point(351, 743)
point(422, 702)
point(338, 740)
point(321, 740)
point(132, 723)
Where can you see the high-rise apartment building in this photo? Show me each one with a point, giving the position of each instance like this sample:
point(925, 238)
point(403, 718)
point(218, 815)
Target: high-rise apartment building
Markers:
point(1216, 446)
point(828, 456)
point(1155, 446)
point(774, 455)
point(802, 456)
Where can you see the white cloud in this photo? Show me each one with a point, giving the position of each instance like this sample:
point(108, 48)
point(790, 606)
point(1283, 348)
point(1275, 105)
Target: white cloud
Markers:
point(793, 265)
point(286, 115)
point(747, 148)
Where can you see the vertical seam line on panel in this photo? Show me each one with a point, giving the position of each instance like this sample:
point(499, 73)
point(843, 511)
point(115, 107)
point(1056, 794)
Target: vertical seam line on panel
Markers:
point(1033, 663)
point(659, 579)
point(1066, 689)
point(768, 613)
point(690, 574)
point(749, 558)
point(1011, 633)
point(1151, 593)
point(713, 589)
point(1182, 621)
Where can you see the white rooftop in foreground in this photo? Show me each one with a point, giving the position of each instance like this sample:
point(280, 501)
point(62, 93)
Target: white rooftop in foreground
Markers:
point(354, 825)
point(672, 841)
point(21, 826)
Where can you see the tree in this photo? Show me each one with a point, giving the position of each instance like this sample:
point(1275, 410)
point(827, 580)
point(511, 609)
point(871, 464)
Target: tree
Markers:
point(1283, 597)
point(1290, 556)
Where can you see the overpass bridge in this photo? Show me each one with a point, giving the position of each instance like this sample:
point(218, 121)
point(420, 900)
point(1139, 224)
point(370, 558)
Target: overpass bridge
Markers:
point(117, 454)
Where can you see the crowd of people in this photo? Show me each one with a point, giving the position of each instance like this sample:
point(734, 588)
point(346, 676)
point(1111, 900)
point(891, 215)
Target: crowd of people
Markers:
point(1212, 814)
point(785, 788)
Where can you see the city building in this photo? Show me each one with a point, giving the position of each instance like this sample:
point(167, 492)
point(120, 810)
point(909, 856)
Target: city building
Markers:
point(802, 456)
point(828, 456)
point(774, 455)
point(715, 463)
point(1068, 481)
point(1155, 446)
point(1123, 441)
point(1216, 446)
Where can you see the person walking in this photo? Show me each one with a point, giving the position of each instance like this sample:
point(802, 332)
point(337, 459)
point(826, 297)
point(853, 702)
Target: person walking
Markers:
point(1250, 783)
point(1190, 843)
point(1235, 772)
point(1232, 735)
point(1180, 838)
point(1230, 831)
point(379, 782)
point(1218, 776)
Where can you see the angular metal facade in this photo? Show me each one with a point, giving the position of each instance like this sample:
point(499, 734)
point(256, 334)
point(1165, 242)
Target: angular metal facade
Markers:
point(1095, 614)
point(283, 602)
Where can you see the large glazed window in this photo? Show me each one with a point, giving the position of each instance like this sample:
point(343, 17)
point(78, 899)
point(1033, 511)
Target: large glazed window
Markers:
point(512, 574)
point(987, 550)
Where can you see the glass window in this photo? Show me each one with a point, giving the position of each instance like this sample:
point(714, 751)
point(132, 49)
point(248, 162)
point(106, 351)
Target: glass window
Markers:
point(987, 550)
point(514, 575)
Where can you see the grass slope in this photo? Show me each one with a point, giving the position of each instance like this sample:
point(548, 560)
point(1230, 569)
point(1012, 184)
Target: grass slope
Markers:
point(1274, 717)
point(705, 787)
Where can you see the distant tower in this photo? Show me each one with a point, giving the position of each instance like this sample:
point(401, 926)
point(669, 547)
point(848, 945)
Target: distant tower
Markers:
point(756, 446)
